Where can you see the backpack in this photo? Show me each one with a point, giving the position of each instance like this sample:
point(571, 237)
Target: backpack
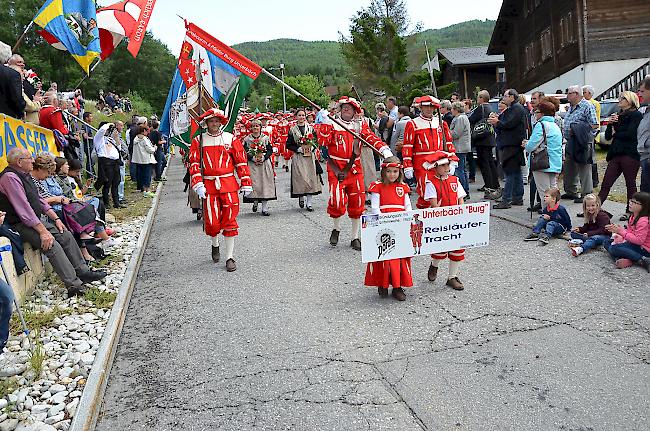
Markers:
point(482, 128)
point(79, 217)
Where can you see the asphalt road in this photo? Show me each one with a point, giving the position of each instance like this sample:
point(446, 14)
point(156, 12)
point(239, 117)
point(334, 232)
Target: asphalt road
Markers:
point(538, 340)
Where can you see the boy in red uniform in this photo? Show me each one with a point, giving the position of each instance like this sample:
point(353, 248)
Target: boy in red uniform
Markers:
point(441, 190)
point(223, 154)
point(389, 195)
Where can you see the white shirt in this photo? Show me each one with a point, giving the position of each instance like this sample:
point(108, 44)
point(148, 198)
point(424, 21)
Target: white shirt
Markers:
point(374, 203)
point(430, 191)
point(104, 145)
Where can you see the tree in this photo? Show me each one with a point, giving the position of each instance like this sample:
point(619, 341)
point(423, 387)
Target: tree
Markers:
point(309, 85)
point(376, 50)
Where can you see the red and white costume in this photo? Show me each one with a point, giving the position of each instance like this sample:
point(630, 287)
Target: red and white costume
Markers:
point(223, 155)
point(388, 198)
point(448, 192)
point(422, 138)
point(341, 145)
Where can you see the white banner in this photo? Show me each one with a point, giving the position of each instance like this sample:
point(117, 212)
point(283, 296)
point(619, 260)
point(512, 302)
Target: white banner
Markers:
point(423, 232)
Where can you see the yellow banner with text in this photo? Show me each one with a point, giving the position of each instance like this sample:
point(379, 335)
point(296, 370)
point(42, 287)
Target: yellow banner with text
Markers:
point(15, 133)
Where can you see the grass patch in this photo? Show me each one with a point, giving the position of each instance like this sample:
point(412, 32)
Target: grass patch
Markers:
point(37, 356)
point(35, 320)
point(100, 298)
point(8, 386)
point(138, 205)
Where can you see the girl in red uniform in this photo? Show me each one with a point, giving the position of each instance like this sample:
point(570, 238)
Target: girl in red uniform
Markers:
point(390, 194)
point(442, 190)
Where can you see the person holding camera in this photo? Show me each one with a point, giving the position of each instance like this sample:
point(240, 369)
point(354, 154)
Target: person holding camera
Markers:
point(108, 164)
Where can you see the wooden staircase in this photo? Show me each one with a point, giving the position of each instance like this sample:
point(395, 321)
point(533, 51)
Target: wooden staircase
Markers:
point(630, 82)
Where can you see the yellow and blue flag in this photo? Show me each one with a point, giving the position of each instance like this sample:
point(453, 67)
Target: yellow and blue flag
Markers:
point(74, 24)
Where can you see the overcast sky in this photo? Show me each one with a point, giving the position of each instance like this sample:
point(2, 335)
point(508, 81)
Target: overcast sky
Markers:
point(242, 21)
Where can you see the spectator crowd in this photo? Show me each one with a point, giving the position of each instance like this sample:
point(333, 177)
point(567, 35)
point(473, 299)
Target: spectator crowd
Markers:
point(58, 204)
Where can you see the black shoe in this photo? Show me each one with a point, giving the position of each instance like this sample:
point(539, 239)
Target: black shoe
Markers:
point(356, 244)
point(255, 206)
point(577, 201)
point(334, 237)
point(266, 213)
point(215, 254)
point(569, 196)
point(310, 209)
point(119, 205)
point(645, 263)
point(544, 238)
point(383, 292)
point(517, 203)
point(230, 265)
point(301, 202)
point(502, 205)
point(90, 276)
point(532, 237)
point(124, 201)
point(580, 215)
point(89, 241)
point(482, 189)
point(76, 290)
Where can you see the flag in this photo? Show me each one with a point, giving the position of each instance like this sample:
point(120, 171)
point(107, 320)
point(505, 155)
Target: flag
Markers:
point(127, 18)
point(73, 23)
point(225, 78)
point(431, 65)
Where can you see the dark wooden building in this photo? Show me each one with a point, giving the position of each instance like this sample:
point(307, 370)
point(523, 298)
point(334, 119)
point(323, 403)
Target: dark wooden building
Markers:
point(551, 44)
point(472, 67)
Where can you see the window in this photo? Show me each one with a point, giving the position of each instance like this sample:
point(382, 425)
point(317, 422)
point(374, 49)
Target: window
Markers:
point(547, 44)
point(529, 53)
point(567, 29)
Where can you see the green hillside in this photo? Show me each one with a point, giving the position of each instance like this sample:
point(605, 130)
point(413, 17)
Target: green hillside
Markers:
point(324, 58)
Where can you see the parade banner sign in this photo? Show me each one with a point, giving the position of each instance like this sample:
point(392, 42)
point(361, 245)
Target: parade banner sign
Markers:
point(15, 133)
point(423, 232)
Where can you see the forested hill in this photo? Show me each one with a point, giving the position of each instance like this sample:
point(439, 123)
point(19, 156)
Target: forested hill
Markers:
point(324, 58)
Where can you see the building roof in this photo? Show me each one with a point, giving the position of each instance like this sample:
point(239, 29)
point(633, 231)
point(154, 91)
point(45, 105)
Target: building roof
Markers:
point(469, 56)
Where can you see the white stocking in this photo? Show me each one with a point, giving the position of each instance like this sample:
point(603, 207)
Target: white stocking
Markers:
point(215, 241)
point(230, 246)
point(435, 262)
point(356, 228)
point(337, 224)
point(308, 200)
point(265, 206)
point(453, 269)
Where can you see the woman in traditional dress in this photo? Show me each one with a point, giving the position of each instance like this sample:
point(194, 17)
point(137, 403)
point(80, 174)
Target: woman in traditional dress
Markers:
point(305, 168)
point(259, 151)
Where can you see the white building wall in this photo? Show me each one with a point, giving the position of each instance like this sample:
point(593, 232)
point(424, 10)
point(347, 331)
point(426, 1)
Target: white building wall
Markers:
point(602, 75)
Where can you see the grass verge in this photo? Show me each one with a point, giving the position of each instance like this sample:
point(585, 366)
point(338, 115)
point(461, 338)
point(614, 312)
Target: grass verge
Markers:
point(100, 298)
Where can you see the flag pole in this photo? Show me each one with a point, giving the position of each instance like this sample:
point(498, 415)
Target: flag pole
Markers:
point(92, 69)
point(199, 82)
point(315, 106)
point(22, 36)
point(433, 81)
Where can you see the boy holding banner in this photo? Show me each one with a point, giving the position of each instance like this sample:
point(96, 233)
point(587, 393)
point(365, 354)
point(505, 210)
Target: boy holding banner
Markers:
point(443, 189)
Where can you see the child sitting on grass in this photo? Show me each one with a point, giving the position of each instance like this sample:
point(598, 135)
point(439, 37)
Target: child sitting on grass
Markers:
point(593, 233)
point(632, 244)
point(555, 220)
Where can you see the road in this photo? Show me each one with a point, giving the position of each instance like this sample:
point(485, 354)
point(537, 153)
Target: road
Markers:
point(538, 340)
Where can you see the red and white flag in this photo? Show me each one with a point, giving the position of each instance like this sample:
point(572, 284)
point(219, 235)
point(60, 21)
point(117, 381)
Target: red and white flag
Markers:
point(127, 18)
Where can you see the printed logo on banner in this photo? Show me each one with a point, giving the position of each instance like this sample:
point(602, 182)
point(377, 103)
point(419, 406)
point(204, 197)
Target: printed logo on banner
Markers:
point(385, 242)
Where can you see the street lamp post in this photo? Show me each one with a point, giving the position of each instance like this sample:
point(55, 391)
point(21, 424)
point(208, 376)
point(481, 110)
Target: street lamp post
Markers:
point(284, 95)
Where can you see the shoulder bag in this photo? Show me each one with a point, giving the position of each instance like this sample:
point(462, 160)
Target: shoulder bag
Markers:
point(539, 159)
point(482, 128)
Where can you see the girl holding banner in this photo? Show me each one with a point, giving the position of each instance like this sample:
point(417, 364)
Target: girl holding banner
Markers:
point(390, 194)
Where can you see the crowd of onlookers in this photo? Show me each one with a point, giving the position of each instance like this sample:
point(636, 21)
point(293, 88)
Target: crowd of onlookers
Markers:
point(58, 204)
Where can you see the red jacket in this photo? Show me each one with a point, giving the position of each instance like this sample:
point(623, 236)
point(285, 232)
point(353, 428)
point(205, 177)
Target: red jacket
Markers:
point(223, 154)
point(51, 118)
point(423, 137)
point(339, 142)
